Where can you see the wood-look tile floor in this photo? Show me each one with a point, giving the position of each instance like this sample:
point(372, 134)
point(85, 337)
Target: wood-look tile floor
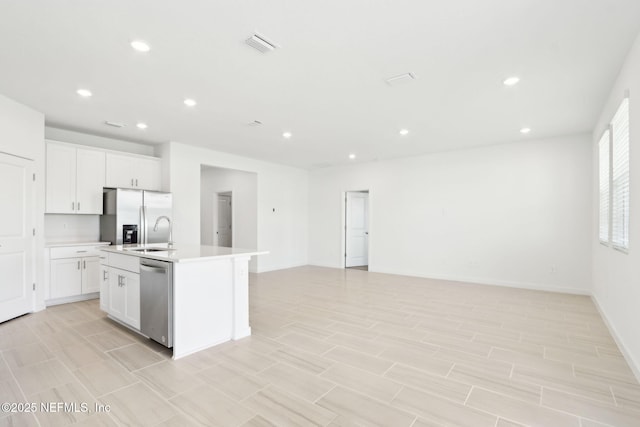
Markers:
point(335, 348)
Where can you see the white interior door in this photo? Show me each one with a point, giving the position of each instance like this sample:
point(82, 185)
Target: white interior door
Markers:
point(357, 229)
point(16, 238)
point(223, 226)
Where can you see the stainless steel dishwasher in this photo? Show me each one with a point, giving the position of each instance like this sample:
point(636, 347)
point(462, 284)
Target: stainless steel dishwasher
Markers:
point(156, 300)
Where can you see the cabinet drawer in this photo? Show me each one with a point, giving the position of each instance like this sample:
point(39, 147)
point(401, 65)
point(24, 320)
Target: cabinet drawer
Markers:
point(74, 251)
point(125, 262)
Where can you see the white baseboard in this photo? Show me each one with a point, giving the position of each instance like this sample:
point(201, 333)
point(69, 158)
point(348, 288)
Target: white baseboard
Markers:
point(476, 280)
point(633, 364)
point(277, 267)
point(490, 282)
point(75, 298)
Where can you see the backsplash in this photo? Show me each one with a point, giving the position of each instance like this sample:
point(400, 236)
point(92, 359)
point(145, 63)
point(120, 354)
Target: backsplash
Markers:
point(71, 228)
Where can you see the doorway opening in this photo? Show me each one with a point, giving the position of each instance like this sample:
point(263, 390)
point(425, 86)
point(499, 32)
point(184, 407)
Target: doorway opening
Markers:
point(356, 230)
point(223, 219)
point(242, 187)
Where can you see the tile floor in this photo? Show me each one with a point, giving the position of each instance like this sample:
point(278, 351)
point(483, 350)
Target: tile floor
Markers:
point(335, 348)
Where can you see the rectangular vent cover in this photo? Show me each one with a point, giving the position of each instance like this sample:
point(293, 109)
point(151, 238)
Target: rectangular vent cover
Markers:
point(400, 79)
point(114, 124)
point(260, 43)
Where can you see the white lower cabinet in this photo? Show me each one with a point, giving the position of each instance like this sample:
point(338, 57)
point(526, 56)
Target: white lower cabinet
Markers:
point(120, 290)
point(66, 277)
point(124, 296)
point(74, 273)
point(104, 285)
point(90, 275)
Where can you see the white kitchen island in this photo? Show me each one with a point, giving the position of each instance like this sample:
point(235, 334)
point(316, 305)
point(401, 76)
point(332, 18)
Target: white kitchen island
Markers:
point(210, 292)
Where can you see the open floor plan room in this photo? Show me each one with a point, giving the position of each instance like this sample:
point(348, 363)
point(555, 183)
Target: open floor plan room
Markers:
point(258, 213)
point(336, 347)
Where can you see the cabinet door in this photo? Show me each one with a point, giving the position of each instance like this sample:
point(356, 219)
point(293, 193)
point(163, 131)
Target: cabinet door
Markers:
point(104, 288)
point(90, 275)
point(66, 277)
point(148, 176)
point(61, 179)
point(89, 181)
point(132, 305)
point(116, 293)
point(120, 171)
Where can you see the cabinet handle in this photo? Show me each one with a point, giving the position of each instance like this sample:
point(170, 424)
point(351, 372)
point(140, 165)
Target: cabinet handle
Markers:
point(136, 182)
point(104, 275)
point(132, 182)
point(73, 206)
point(78, 206)
point(78, 264)
point(84, 264)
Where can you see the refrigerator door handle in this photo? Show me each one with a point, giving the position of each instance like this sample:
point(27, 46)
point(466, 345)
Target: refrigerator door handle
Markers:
point(143, 226)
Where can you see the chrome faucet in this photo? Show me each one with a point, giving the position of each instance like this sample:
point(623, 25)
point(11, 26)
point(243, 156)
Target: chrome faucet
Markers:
point(155, 228)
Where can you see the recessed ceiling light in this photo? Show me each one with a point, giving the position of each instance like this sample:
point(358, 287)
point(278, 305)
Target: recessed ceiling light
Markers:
point(404, 132)
point(510, 81)
point(141, 125)
point(525, 130)
point(352, 156)
point(190, 102)
point(287, 135)
point(84, 93)
point(140, 46)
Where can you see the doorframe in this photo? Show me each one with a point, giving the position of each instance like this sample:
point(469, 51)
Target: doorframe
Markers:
point(214, 213)
point(343, 227)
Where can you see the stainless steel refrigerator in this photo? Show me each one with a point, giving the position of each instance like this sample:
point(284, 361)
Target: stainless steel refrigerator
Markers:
point(129, 216)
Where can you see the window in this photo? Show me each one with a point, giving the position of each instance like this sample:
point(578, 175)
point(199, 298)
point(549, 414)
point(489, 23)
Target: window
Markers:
point(620, 177)
point(613, 174)
point(604, 148)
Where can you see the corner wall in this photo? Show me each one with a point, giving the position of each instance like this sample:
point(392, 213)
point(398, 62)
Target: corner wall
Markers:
point(616, 275)
point(282, 202)
point(515, 214)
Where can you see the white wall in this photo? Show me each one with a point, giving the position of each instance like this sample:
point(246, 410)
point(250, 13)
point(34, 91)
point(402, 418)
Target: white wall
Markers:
point(244, 188)
point(22, 134)
point(71, 228)
point(282, 202)
point(616, 275)
point(514, 214)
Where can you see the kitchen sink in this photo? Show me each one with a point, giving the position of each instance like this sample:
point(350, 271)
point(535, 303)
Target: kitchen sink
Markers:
point(151, 250)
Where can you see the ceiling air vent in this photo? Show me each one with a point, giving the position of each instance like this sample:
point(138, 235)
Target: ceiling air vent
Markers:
point(114, 124)
point(400, 79)
point(260, 43)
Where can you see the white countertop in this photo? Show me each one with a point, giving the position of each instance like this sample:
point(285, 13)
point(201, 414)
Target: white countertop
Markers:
point(57, 244)
point(183, 253)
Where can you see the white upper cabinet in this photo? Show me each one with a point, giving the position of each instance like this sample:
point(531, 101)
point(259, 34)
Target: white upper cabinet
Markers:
point(75, 177)
point(89, 181)
point(126, 171)
point(61, 179)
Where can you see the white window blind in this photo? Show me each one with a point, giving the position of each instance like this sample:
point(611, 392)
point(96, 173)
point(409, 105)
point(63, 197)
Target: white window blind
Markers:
point(620, 177)
point(604, 167)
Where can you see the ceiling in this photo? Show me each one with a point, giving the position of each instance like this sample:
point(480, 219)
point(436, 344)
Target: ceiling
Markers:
point(326, 82)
